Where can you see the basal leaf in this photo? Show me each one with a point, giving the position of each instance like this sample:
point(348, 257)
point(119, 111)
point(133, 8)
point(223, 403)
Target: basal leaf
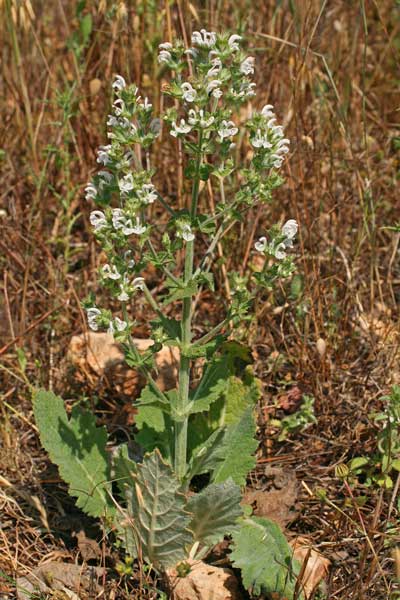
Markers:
point(262, 553)
point(237, 450)
point(156, 510)
point(215, 510)
point(78, 448)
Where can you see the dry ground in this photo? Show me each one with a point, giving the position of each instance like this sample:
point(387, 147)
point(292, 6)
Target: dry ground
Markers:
point(331, 70)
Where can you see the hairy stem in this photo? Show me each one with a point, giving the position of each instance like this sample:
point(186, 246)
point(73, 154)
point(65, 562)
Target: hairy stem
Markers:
point(181, 426)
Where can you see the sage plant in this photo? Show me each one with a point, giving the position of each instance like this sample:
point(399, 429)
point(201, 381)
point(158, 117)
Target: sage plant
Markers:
point(204, 427)
point(210, 82)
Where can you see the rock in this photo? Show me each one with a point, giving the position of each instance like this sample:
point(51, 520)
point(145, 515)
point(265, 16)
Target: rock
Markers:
point(203, 582)
point(97, 355)
point(314, 566)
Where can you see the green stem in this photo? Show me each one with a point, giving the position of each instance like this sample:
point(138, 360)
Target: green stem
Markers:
point(181, 426)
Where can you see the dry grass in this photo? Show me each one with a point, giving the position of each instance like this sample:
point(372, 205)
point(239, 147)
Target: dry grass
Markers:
point(330, 69)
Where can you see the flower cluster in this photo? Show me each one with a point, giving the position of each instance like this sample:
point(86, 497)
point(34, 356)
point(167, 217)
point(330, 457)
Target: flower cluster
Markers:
point(280, 242)
point(211, 80)
point(123, 190)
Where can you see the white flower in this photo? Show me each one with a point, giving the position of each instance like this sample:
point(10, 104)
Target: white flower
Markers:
point(290, 229)
point(118, 218)
point(123, 296)
point(189, 93)
point(283, 146)
point(119, 106)
point(249, 91)
point(277, 160)
point(92, 314)
point(112, 121)
point(98, 219)
point(138, 283)
point(233, 42)
point(213, 86)
point(216, 67)
point(164, 56)
point(261, 245)
point(183, 128)
point(127, 227)
point(260, 141)
point(103, 156)
point(247, 66)
point(227, 129)
point(126, 184)
point(90, 191)
point(165, 46)
point(124, 223)
point(267, 111)
point(110, 272)
point(119, 324)
point(138, 229)
point(185, 232)
point(279, 251)
point(199, 118)
point(204, 39)
point(119, 83)
point(147, 194)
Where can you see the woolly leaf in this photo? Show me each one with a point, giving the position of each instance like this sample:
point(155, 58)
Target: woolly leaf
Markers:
point(156, 511)
point(215, 512)
point(78, 448)
point(262, 553)
point(236, 450)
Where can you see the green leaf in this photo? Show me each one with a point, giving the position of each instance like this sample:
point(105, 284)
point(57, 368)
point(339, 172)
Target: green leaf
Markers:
point(238, 395)
point(156, 510)
point(206, 457)
point(215, 510)
point(236, 450)
point(78, 448)
point(358, 462)
point(262, 553)
point(171, 327)
point(211, 386)
point(148, 396)
point(150, 415)
point(396, 464)
point(179, 293)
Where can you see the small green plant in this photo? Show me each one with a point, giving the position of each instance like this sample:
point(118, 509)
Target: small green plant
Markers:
point(204, 427)
point(299, 420)
point(378, 468)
